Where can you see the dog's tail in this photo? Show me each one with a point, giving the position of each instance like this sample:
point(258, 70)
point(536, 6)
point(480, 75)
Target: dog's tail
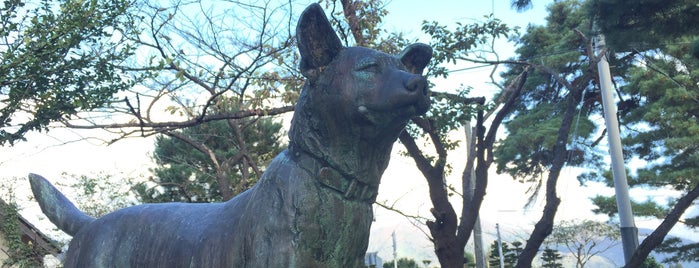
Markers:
point(57, 207)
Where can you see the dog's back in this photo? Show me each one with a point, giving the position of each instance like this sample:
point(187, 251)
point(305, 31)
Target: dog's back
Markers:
point(243, 232)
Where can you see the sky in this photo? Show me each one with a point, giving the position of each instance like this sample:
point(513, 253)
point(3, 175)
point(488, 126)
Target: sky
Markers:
point(62, 150)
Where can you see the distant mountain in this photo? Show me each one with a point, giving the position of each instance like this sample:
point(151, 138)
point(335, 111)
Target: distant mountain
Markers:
point(412, 243)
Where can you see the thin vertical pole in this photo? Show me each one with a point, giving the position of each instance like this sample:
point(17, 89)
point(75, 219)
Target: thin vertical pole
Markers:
point(629, 232)
point(502, 258)
point(395, 253)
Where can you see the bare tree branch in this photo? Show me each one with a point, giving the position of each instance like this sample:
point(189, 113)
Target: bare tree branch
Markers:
point(415, 220)
point(192, 66)
point(350, 12)
point(158, 127)
point(658, 235)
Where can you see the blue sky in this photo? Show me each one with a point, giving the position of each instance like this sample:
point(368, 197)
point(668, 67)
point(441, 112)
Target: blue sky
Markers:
point(407, 15)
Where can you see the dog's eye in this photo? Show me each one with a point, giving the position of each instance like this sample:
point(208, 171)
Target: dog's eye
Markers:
point(372, 67)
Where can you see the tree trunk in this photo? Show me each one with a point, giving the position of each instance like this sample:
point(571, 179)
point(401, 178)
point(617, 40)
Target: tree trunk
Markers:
point(657, 236)
point(448, 234)
point(447, 246)
point(221, 171)
point(350, 11)
point(544, 226)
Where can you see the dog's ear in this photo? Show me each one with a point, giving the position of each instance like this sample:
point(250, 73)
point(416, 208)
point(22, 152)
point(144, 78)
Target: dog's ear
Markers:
point(317, 41)
point(415, 57)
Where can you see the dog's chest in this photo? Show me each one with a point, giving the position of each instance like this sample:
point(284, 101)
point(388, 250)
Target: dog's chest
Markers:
point(318, 221)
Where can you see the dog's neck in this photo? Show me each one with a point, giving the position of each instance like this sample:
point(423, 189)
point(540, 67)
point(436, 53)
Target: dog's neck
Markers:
point(337, 180)
point(345, 152)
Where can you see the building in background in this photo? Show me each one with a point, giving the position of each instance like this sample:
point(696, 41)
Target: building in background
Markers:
point(37, 246)
point(372, 260)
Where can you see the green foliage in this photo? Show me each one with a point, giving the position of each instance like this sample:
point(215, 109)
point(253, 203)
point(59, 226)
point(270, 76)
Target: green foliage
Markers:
point(510, 254)
point(661, 115)
point(123, 60)
point(656, 81)
point(551, 258)
point(607, 205)
point(186, 174)
point(521, 5)
point(402, 263)
point(102, 193)
point(369, 16)
point(650, 262)
point(449, 112)
point(659, 21)
point(527, 151)
point(555, 44)
point(682, 252)
point(452, 45)
point(494, 255)
point(20, 253)
point(57, 59)
point(469, 260)
point(667, 112)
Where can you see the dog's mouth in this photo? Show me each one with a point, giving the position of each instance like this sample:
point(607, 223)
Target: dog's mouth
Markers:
point(396, 104)
point(403, 111)
point(422, 105)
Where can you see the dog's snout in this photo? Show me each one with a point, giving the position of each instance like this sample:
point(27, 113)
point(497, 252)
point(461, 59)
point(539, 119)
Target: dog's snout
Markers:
point(417, 83)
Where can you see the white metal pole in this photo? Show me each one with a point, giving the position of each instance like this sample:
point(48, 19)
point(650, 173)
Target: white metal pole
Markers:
point(502, 258)
point(629, 232)
point(395, 254)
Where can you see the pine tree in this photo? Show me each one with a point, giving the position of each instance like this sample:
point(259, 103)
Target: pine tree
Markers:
point(186, 174)
point(510, 255)
point(551, 258)
point(660, 95)
point(513, 253)
point(657, 84)
point(402, 263)
point(659, 21)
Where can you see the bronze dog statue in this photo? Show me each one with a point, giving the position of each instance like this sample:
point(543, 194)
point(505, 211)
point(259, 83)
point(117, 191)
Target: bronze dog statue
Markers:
point(313, 205)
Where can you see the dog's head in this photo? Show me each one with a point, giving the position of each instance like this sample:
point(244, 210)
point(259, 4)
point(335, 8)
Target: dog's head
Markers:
point(360, 86)
point(354, 95)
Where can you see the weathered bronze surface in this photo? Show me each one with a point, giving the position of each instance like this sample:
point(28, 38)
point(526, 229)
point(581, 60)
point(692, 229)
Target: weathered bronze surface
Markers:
point(312, 206)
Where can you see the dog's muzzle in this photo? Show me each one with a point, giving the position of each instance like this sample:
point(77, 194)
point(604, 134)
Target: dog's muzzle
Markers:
point(417, 85)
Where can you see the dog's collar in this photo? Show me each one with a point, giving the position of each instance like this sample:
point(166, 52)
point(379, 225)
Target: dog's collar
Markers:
point(329, 177)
